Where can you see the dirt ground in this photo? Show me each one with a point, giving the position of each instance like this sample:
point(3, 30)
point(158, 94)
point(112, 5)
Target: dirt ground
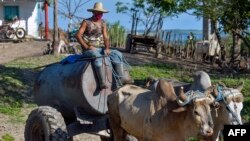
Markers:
point(12, 51)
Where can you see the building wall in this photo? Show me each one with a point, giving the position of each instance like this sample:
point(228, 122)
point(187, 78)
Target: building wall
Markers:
point(1, 14)
point(29, 13)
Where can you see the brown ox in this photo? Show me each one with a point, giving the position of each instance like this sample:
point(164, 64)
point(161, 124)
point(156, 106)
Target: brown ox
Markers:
point(158, 116)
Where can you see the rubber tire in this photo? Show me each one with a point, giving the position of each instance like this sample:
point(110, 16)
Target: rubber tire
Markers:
point(20, 30)
point(45, 124)
point(10, 34)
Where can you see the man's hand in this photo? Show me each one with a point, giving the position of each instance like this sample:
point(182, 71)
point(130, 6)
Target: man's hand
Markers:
point(107, 51)
point(92, 48)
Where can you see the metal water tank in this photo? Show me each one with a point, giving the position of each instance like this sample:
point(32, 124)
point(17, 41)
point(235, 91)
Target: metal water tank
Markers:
point(74, 85)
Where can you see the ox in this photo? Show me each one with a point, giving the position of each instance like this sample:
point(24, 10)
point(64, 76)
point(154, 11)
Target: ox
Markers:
point(228, 104)
point(158, 116)
point(207, 49)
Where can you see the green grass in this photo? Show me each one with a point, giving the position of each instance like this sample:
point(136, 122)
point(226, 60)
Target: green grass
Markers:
point(16, 81)
point(140, 73)
point(8, 137)
point(159, 71)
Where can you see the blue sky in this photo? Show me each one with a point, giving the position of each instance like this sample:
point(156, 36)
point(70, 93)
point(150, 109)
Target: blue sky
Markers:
point(183, 21)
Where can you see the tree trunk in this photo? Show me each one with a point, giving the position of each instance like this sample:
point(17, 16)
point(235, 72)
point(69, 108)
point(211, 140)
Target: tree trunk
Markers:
point(55, 35)
point(133, 24)
point(205, 28)
point(214, 29)
point(136, 23)
point(236, 47)
point(46, 20)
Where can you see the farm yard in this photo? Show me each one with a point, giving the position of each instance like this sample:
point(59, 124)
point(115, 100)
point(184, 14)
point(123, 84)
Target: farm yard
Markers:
point(17, 75)
point(189, 62)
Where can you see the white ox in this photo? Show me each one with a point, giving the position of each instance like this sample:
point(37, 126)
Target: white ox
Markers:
point(230, 101)
point(160, 116)
point(207, 48)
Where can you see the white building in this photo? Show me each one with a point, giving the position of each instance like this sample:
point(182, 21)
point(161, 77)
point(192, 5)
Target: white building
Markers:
point(28, 11)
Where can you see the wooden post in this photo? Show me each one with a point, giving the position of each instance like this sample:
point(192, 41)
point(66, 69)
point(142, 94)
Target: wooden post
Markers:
point(46, 5)
point(55, 35)
point(169, 36)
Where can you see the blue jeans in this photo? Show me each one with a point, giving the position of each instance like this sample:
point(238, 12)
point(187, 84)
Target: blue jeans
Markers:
point(115, 60)
point(115, 57)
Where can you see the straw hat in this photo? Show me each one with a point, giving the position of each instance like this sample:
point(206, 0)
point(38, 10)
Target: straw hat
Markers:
point(98, 7)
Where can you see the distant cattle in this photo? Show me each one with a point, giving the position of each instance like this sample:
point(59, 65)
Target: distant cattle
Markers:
point(227, 111)
point(65, 47)
point(160, 115)
point(207, 49)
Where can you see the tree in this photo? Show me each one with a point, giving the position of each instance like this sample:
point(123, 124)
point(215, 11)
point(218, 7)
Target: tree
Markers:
point(232, 15)
point(148, 12)
point(70, 9)
point(236, 20)
point(206, 9)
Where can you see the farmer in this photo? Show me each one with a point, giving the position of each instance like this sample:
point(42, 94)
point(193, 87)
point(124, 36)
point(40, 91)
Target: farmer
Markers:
point(94, 40)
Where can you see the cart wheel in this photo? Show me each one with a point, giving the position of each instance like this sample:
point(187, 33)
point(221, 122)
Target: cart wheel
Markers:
point(45, 124)
point(10, 34)
point(20, 33)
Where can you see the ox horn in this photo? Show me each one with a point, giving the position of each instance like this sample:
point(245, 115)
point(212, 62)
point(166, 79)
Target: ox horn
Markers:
point(212, 90)
point(240, 87)
point(149, 81)
point(211, 93)
point(182, 97)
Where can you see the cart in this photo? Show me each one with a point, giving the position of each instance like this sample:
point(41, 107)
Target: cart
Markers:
point(70, 103)
point(137, 42)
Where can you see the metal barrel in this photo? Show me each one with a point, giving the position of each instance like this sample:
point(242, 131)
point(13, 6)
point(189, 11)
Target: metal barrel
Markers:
point(70, 86)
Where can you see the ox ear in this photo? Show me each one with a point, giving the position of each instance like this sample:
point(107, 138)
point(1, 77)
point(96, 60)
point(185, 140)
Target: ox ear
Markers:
point(240, 87)
point(179, 109)
point(149, 81)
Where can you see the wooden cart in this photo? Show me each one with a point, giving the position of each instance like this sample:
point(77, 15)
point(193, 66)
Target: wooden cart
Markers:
point(141, 42)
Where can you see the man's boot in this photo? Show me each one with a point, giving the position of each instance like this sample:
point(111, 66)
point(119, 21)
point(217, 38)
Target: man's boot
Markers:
point(124, 76)
point(101, 77)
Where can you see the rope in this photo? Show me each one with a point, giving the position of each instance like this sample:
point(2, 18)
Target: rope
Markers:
point(229, 109)
point(105, 91)
point(116, 77)
point(126, 66)
point(105, 77)
point(220, 94)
